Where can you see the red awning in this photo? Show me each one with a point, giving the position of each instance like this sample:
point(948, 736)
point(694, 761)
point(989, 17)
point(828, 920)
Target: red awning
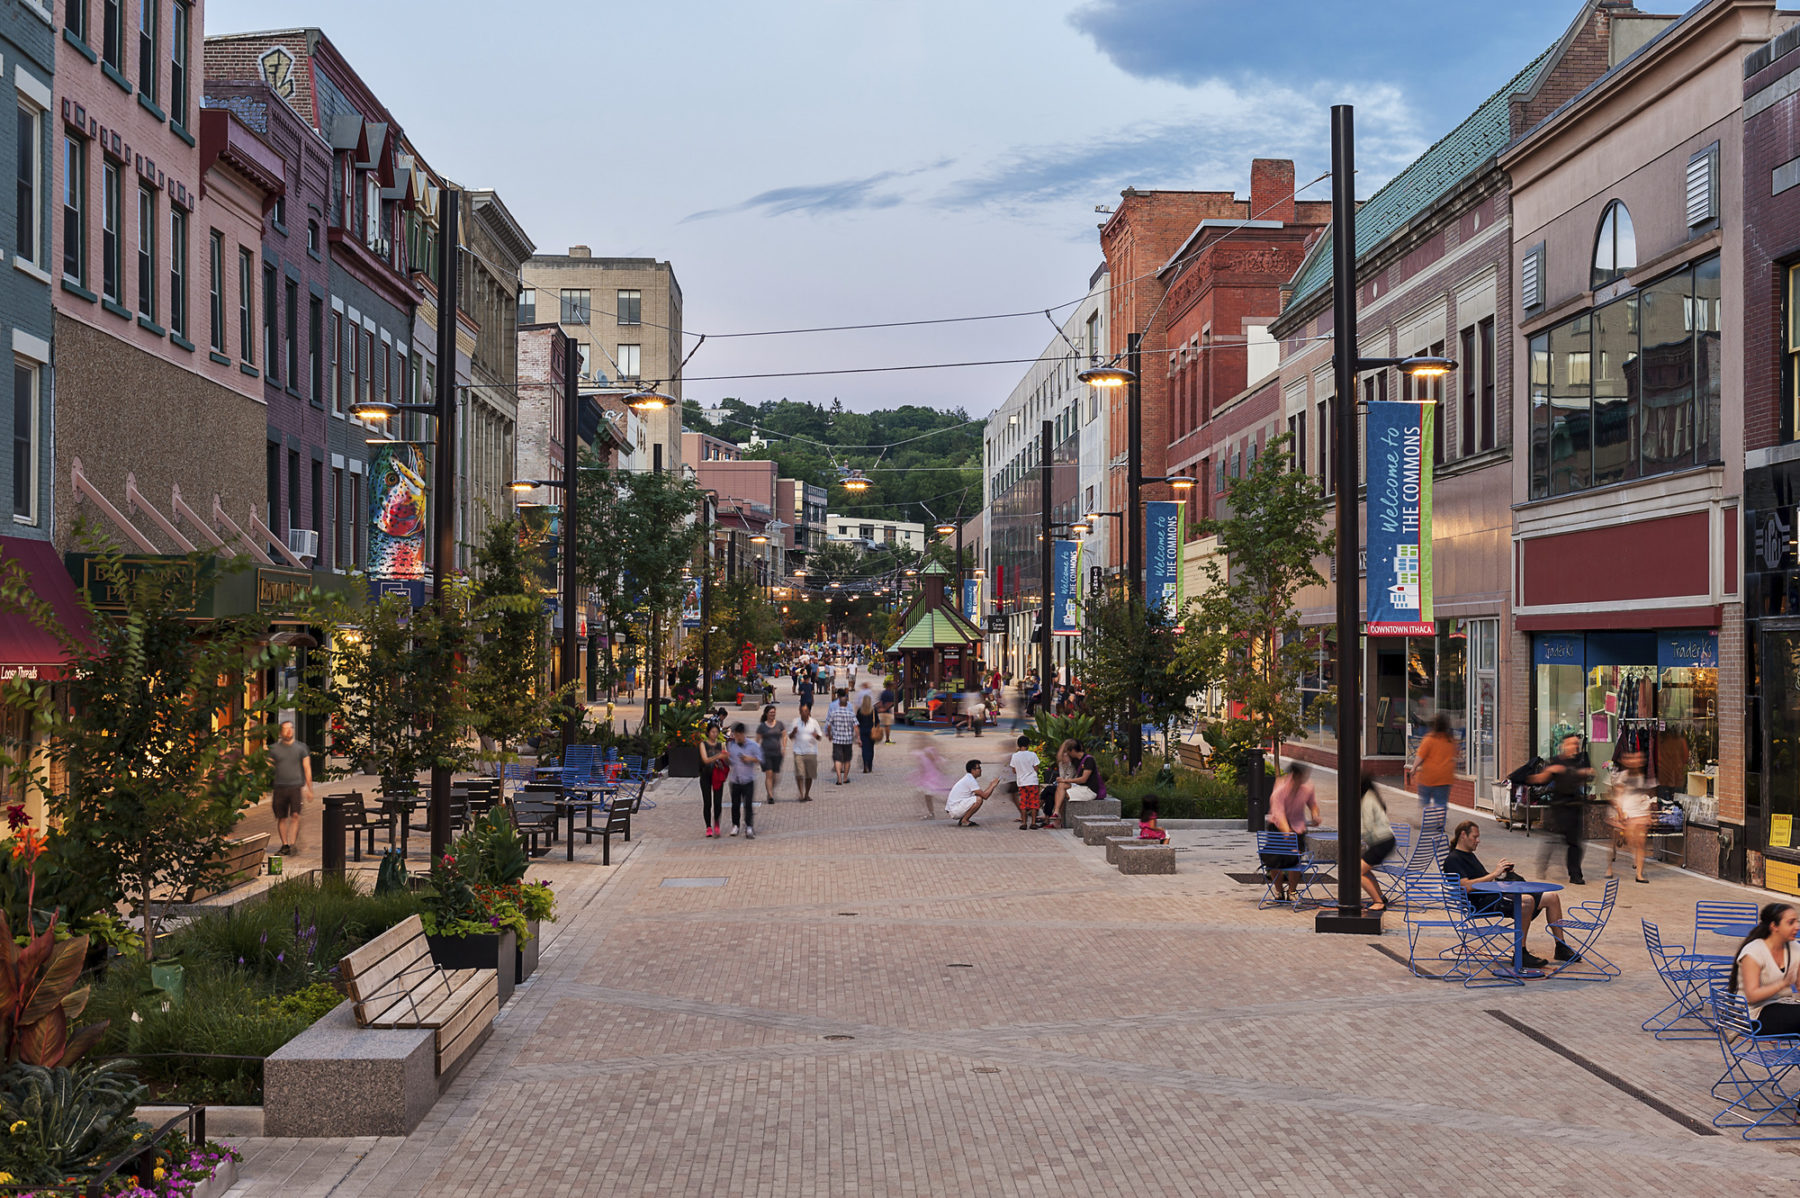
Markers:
point(25, 649)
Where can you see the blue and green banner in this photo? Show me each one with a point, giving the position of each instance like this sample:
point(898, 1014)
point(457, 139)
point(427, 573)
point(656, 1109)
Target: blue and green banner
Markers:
point(1399, 576)
point(1162, 560)
point(970, 600)
point(1065, 578)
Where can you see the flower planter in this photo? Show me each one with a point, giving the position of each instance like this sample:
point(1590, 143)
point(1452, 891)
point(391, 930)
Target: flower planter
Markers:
point(223, 1178)
point(684, 761)
point(498, 952)
point(526, 956)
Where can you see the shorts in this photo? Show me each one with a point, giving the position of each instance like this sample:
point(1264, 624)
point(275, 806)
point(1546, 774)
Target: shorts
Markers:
point(1434, 796)
point(1378, 852)
point(806, 766)
point(886, 718)
point(842, 753)
point(1030, 798)
point(287, 801)
point(772, 762)
point(960, 809)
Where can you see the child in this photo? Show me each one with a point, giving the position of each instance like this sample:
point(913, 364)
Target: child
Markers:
point(1025, 775)
point(1147, 829)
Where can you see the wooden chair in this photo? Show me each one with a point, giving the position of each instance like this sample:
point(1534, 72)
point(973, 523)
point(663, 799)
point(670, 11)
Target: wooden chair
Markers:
point(358, 819)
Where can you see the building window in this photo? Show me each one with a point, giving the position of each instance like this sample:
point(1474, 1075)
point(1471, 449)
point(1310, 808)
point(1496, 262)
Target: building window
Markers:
point(75, 17)
point(28, 227)
point(75, 209)
point(215, 272)
point(292, 299)
point(271, 345)
point(356, 520)
point(25, 437)
point(1489, 418)
point(1468, 377)
point(146, 297)
point(312, 236)
point(366, 391)
point(1790, 327)
point(528, 306)
point(577, 306)
point(336, 366)
point(1615, 246)
point(178, 266)
point(581, 356)
point(1630, 389)
point(247, 306)
point(112, 34)
point(337, 518)
point(147, 54)
point(315, 334)
point(180, 21)
point(110, 219)
point(631, 307)
point(628, 361)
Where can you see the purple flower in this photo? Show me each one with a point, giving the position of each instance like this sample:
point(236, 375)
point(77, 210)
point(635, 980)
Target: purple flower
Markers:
point(265, 937)
point(240, 960)
point(494, 919)
point(280, 957)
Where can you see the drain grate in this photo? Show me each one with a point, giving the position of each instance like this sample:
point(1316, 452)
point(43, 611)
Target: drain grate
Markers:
point(839, 1036)
point(984, 1069)
point(680, 882)
point(846, 912)
point(959, 965)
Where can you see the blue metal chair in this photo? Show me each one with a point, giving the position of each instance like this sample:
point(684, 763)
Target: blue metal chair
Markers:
point(1281, 846)
point(1431, 846)
point(1721, 919)
point(1757, 1100)
point(1581, 926)
point(1391, 874)
point(1686, 977)
point(1428, 909)
point(514, 775)
point(1484, 956)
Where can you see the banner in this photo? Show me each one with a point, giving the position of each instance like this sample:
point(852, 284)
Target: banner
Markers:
point(690, 605)
point(1399, 577)
point(1162, 560)
point(970, 599)
point(396, 513)
point(1064, 579)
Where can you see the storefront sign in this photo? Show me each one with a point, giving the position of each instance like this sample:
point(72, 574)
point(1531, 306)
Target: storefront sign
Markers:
point(1675, 650)
point(1558, 649)
point(1781, 831)
point(1065, 578)
point(1096, 582)
point(410, 589)
point(971, 600)
point(276, 589)
point(103, 594)
point(1399, 554)
point(1162, 566)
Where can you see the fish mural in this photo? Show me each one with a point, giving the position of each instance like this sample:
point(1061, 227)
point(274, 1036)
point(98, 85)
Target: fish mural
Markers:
point(397, 513)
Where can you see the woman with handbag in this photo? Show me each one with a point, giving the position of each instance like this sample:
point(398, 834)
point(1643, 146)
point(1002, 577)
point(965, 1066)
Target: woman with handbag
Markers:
point(713, 771)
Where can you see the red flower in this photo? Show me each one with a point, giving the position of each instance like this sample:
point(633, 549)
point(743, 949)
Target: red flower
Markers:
point(16, 817)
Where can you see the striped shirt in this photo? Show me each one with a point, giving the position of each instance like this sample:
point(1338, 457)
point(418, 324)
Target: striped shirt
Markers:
point(840, 724)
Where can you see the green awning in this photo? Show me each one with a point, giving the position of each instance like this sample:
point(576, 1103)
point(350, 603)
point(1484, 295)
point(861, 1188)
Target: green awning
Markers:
point(935, 628)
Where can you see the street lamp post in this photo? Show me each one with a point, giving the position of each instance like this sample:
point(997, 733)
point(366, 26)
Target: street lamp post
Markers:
point(1046, 660)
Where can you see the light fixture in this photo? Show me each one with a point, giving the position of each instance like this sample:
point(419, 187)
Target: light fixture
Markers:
point(1426, 367)
point(759, 539)
point(524, 484)
point(1182, 482)
point(373, 411)
point(946, 529)
point(799, 573)
point(1112, 375)
point(649, 401)
point(1079, 529)
point(910, 573)
point(854, 481)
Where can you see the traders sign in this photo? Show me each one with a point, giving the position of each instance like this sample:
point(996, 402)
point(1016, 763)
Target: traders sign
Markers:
point(1399, 563)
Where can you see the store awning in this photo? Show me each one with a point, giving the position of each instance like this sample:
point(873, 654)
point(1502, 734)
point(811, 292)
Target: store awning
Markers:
point(25, 649)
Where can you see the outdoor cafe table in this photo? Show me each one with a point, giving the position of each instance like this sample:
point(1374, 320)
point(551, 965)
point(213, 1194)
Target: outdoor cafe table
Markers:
point(1515, 892)
point(403, 806)
point(569, 804)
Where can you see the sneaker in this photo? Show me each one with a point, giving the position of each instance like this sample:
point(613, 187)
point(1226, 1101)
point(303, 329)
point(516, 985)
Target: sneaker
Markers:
point(1565, 953)
point(749, 833)
point(285, 850)
point(1533, 962)
point(734, 829)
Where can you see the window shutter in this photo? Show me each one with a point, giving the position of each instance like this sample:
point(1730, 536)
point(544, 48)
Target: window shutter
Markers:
point(1702, 187)
point(1531, 278)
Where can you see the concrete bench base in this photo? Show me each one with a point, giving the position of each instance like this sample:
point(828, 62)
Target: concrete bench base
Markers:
point(1096, 831)
point(1118, 846)
point(1144, 858)
point(1075, 808)
point(336, 1079)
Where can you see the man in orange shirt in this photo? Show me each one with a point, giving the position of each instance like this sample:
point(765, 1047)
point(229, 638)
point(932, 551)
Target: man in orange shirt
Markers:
point(1434, 763)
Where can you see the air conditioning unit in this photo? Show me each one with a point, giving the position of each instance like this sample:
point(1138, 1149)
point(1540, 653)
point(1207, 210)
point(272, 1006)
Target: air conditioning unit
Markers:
point(303, 542)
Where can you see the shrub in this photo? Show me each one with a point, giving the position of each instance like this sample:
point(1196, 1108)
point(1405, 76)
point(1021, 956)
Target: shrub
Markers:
point(59, 1122)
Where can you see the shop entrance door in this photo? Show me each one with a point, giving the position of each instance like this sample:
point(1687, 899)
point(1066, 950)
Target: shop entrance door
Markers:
point(1781, 752)
point(1484, 708)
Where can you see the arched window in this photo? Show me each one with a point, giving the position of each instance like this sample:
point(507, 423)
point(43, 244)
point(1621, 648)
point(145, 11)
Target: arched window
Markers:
point(1615, 249)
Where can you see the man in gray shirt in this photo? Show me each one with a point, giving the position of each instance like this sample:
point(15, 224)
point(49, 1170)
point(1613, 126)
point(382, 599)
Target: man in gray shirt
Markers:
point(293, 784)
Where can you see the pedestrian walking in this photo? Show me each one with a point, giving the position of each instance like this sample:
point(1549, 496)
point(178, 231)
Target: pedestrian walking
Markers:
point(1567, 773)
point(929, 775)
point(1433, 763)
point(840, 726)
point(885, 704)
point(804, 736)
point(292, 785)
point(746, 762)
point(772, 735)
point(1377, 841)
point(865, 731)
point(1025, 777)
point(1633, 797)
point(715, 770)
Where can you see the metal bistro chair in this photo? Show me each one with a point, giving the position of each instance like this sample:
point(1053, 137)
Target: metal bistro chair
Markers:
point(513, 775)
point(1479, 933)
point(1723, 919)
point(1431, 846)
point(1581, 926)
point(1686, 977)
point(1301, 880)
point(1756, 1068)
point(1391, 874)
point(359, 820)
point(1428, 909)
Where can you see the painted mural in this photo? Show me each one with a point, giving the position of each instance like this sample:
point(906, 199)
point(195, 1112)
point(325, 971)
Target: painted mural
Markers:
point(397, 513)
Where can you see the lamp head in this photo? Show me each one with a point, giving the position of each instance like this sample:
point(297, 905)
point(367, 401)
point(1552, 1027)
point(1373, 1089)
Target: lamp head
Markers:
point(373, 411)
point(525, 484)
point(1079, 528)
point(855, 481)
point(946, 529)
point(1426, 367)
point(1106, 377)
point(649, 401)
point(1181, 482)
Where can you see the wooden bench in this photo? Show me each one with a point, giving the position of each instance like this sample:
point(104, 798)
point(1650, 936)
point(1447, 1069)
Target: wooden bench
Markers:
point(393, 983)
point(241, 860)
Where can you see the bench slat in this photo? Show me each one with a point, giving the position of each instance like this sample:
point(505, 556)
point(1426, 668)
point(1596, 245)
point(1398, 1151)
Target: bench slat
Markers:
point(447, 1000)
point(360, 960)
point(409, 1006)
point(465, 1004)
point(485, 1006)
point(377, 979)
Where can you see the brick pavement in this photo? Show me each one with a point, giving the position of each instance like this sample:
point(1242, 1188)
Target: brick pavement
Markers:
point(873, 1004)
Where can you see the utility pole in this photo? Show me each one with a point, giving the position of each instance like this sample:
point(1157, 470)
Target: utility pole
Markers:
point(1134, 525)
point(443, 485)
point(571, 646)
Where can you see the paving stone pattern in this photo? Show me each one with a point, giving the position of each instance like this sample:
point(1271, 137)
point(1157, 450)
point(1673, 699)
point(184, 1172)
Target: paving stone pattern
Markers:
point(874, 1004)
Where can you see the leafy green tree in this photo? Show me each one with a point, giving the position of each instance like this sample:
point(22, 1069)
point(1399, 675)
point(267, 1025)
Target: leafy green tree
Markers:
point(1127, 649)
point(1245, 629)
point(509, 694)
point(157, 753)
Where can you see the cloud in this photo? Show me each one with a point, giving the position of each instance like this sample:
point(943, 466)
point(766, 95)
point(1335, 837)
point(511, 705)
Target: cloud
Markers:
point(1455, 51)
point(845, 195)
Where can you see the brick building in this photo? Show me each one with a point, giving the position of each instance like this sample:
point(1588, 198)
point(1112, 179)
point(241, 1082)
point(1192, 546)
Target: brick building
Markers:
point(489, 411)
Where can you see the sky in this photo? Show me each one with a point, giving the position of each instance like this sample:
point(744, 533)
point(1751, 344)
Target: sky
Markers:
point(831, 162)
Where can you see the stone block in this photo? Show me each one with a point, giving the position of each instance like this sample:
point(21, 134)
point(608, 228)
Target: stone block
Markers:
point(1087, 807)
point(1095, 831)
point(1146, 859)
point(1114, 844)
point(336, 1079)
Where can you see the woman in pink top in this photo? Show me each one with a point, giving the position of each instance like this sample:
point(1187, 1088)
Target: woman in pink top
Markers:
point(1291, 804)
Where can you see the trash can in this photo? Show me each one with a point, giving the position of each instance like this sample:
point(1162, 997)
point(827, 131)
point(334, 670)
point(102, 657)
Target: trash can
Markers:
point(1256, 787)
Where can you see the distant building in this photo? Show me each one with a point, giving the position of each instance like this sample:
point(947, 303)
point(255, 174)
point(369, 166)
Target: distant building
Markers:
point(873, 533)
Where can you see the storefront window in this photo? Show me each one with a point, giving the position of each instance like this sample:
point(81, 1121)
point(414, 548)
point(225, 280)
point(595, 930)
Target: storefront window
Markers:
point(1781, 718)
point(1318, 677)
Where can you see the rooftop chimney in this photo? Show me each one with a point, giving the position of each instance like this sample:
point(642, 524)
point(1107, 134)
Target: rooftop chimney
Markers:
point(1272, 189)
point(582, 251)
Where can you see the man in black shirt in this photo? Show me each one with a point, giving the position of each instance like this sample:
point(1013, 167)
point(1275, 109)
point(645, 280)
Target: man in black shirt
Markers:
point(1568, 774)
point(1466, 867)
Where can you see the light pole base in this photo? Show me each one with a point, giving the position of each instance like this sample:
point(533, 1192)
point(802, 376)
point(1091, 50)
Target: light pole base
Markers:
point(1347, 925)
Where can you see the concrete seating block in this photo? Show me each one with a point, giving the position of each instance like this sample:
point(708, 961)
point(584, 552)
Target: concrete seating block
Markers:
point(1146, 858)
point(1096, 831)
point(336, 1079)
point(1079, 807)
point(1115, 844)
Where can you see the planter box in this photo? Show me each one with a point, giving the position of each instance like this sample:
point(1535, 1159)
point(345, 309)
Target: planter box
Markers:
point(684, 761)
point(526, 956)
point(498, 952)
point(224, 1177)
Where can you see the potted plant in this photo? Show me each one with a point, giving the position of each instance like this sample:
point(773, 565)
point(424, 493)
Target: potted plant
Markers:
point(684, 724)
point(480, 913)
point(539, 905)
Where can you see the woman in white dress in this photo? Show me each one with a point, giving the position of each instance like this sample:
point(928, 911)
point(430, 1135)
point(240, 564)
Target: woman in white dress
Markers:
point(1633, 800)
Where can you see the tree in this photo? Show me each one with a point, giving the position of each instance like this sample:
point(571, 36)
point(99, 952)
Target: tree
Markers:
point(1128, 649)
point(507, 680)
point(1245, 628)
point(157, 751)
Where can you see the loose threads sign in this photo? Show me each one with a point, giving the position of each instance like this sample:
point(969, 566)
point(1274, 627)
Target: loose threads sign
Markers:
point(1399, 572)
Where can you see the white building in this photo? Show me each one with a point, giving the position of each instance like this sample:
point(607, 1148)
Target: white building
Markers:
point(869, 532)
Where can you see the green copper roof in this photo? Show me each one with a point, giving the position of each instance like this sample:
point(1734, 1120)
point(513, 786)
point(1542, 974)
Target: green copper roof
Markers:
point(1458, 155)
point(934, 628)
point(933, 568)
